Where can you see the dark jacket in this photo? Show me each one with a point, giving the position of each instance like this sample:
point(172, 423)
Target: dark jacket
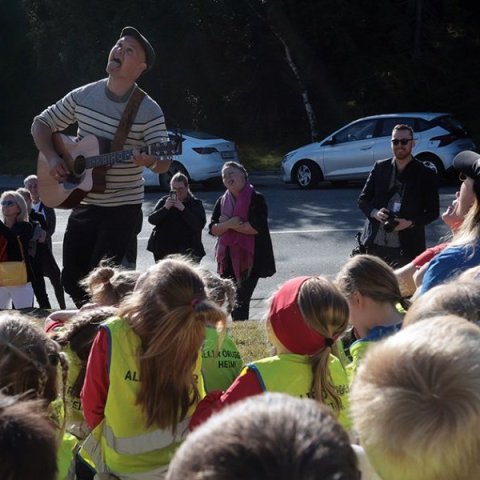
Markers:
point(263, 261)
point(176, 231)
point(420, 202)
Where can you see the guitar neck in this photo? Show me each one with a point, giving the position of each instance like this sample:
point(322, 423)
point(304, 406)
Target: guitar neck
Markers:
point(109, 159)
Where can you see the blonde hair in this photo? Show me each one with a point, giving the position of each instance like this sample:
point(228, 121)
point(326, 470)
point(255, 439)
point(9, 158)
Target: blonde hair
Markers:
point(29, 360)
point(219, 290)
point(371, 277)
point(108, 285)
point(169, 312)
point(325, 310)
point(21, 204)
point(460, 298)
point(415, 402)
point(469, 231)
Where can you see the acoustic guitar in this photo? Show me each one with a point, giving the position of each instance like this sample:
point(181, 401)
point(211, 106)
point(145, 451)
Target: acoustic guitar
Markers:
point(88, 165)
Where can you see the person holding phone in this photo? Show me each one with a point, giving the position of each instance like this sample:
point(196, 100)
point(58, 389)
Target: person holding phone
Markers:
point(179, 218)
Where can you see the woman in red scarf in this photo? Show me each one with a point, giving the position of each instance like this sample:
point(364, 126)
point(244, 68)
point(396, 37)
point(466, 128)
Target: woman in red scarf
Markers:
point(244, 248)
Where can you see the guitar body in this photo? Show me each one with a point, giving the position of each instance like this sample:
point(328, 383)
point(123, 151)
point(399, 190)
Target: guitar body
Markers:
point(81, 180)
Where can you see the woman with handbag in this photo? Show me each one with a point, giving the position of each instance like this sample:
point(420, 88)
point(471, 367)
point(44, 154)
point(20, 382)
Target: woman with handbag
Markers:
point(15, 234)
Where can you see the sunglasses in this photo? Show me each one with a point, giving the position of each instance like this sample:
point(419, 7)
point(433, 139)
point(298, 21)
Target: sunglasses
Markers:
point(402, 141)
point(8, 203)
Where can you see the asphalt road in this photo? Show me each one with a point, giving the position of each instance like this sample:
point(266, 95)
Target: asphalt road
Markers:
point(312, 231)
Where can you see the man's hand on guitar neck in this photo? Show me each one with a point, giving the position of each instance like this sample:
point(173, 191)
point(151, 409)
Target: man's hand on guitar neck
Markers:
point(150, 161)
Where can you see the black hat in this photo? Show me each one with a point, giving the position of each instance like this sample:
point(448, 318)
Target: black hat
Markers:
point(149, 51)
point(468, 163)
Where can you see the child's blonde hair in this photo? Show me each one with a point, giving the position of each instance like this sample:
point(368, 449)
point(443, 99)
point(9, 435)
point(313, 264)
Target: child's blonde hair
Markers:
point(169, 311)
point(108, 285)
point(415, 402)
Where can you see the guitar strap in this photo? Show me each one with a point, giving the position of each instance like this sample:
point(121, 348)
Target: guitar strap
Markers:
point(127, 119)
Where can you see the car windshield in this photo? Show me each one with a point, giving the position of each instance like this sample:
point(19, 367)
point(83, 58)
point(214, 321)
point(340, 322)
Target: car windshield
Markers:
point(449, 123)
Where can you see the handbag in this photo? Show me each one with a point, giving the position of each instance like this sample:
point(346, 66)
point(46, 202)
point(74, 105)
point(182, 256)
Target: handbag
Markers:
point(13, 274)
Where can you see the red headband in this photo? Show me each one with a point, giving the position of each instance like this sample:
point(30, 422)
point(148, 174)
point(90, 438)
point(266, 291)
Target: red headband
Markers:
point(288, 323)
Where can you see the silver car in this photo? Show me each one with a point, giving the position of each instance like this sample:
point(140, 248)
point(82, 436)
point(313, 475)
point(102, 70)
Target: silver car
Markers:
point(201, 160)
point(349, 153)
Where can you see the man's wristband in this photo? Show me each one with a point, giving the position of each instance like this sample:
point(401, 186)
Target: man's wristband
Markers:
point(153, 165)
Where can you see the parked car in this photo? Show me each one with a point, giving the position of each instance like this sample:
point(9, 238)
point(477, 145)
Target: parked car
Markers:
point(349, 153)
point(201, 159)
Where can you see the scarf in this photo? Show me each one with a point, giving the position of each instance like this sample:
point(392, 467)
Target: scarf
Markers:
point(241, 246)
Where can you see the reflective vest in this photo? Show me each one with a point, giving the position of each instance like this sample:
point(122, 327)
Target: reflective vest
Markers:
point(129, 447)
point(292, 373)
point(75, 421)
point(358, 349)
point(221, 364)
point(66, 457)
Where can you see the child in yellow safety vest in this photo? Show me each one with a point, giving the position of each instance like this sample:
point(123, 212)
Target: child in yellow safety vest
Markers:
point(221, 360)
point(29, 364)
point(143, 375)
point(375, 302)
point(306, 316)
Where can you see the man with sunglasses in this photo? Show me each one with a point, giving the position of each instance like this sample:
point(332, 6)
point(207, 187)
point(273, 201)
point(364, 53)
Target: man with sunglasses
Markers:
point(399, 198)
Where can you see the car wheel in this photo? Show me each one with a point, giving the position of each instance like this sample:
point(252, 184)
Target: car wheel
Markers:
point(164, 178)
point(307, 174)
point(433, 162)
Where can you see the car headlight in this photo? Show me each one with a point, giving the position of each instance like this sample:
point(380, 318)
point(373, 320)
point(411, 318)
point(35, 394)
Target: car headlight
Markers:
point(287, 157)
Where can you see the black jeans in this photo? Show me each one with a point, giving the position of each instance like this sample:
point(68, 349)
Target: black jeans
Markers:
point(92, 234)
point(395, 257)
point(244, 293)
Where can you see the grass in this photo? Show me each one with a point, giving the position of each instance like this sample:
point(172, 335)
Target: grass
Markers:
point(251, 340)
point(260, 158)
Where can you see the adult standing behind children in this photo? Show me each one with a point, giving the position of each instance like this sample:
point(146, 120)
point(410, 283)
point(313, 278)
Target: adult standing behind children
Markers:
point(244, 248)
point(103, 224)
point(179, 218)
point(50, 267)
point(399, 198)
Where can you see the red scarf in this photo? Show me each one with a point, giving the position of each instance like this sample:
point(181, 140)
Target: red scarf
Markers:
point(240, 245)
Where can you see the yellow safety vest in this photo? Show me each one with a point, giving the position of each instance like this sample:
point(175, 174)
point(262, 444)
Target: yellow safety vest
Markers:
point(127, 446)
point(292, 373)
point(221, 364)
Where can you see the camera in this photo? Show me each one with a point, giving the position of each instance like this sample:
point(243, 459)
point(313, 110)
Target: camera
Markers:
point(173, 194)
point(390, 223)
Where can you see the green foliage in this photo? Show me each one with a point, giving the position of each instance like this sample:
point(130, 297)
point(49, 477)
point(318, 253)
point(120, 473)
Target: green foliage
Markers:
point(222, 65)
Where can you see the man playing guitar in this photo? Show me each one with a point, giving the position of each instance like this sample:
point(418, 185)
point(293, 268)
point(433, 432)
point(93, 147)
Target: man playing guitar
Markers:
point(104, 222)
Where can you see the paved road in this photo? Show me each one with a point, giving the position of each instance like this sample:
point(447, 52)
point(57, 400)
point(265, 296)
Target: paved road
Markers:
point(312, 231)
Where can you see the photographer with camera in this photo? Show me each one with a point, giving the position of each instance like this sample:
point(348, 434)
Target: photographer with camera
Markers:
point(179, 218)
point(399, 198)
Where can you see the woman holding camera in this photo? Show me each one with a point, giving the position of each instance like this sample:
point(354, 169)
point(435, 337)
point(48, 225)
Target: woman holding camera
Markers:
point(179, 218)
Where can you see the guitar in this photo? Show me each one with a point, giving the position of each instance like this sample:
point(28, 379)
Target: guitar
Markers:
point(88, 165)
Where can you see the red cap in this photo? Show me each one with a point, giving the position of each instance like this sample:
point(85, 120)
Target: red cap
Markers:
point(288, 323)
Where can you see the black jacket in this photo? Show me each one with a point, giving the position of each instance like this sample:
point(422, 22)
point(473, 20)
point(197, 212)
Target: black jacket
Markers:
point(176, 231)
point(420, 202)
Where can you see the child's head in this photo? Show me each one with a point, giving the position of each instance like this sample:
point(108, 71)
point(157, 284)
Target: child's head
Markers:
point(415, 402)
point(108, 285)
point(28, 440)
point(306, 316)
point(169, 311)
point(28, 358)
point(455, 298)
point(369, 277)
point(219, 290)
point(270, 436)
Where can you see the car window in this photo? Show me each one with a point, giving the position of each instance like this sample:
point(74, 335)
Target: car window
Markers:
point(389, 123)
point(449, 123)
point(357, 131)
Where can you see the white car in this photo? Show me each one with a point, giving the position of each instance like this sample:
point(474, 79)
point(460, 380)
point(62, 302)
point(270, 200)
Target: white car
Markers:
point(349, 153)
point(201, 159)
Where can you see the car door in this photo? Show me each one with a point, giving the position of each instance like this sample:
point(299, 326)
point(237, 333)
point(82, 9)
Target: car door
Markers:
point(349, 153)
